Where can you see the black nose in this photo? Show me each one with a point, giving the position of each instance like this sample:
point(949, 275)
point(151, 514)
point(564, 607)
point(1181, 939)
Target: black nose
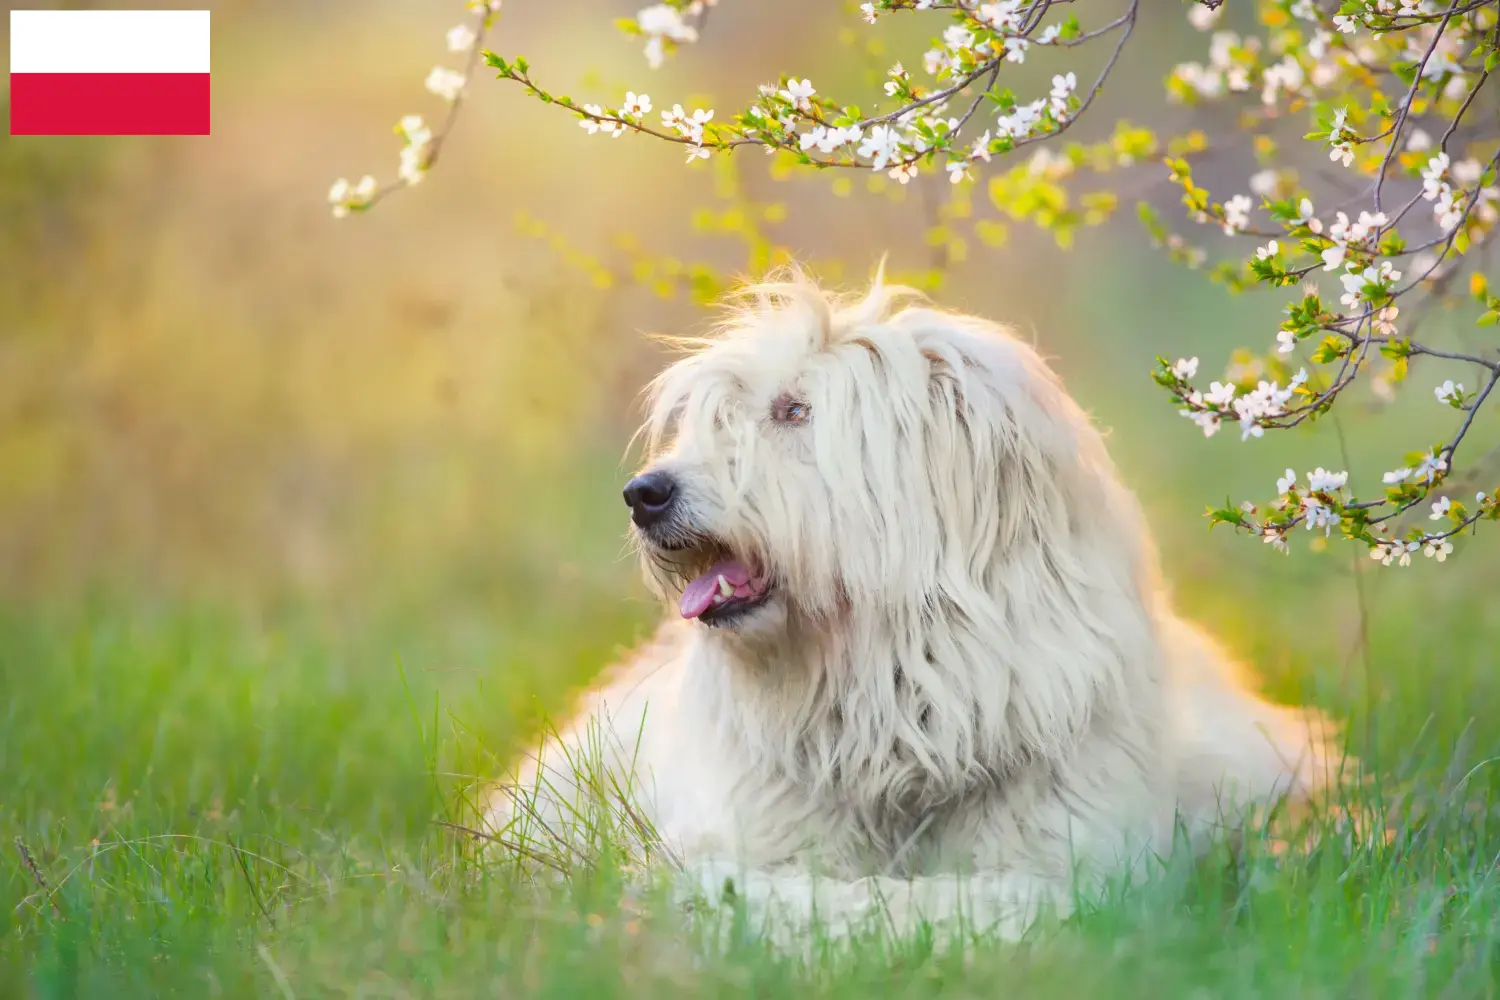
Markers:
point(650, 497)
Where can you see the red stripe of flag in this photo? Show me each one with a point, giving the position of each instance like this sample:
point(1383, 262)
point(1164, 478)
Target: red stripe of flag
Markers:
point(109, 104)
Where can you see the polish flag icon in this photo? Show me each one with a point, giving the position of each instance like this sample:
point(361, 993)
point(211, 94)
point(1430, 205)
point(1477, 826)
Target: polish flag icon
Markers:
point(109, 72)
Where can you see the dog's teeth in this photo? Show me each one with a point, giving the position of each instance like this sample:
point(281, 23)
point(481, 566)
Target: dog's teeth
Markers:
point(725, 587)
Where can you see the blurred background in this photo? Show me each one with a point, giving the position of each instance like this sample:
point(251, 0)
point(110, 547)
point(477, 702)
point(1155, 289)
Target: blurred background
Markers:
point(407, 430)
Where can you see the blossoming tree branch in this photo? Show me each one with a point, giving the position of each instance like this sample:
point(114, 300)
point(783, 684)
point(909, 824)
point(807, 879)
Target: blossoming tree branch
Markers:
point(1398, 101)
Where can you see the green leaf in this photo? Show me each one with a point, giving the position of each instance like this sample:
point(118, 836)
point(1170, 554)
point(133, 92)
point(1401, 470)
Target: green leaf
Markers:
point(1330, 349)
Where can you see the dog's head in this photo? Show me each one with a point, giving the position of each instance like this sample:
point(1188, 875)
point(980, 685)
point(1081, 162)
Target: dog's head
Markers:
point(820, 456)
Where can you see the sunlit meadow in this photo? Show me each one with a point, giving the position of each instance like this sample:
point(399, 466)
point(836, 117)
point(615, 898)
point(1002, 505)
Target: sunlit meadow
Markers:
point(306, 526)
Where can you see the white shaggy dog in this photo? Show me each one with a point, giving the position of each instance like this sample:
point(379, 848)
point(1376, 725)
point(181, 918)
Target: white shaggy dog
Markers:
point(925, 664)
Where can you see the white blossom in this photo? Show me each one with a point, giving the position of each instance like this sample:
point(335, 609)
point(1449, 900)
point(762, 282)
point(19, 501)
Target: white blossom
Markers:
point(1361, 230)
point(981, 148)
point(799, 93)
point(1399, 551)
point(903, 172)
point(1319, 515)
point(461, 38)
point(445, 83)
point(1003, 16)
point(1286, 75)
point(1449, 392)
point(1440, 509)
point(867, 10)
point(636, 105)
point(1237, 214)
point(1062, 88)
point(1487, 205)
point(1356, 281)
point(413, 165)
point(415, 129)
point(688, 126)
point(1265, 401)
point(665, 20)
point(881, 144)
point(1185, 368)
point(1305, 216)
point(1320, 480)
point(1439, 547)
point(1208, 422)
point(957, 37)
point(1220, 394)
point(1467, 172)
point(338, 197)
point(1433, 174)
point(1287, 482)
point(1268, 251)
point(590, 125)
point(661, 24)
point(413, 162)
point(1395, 476)
point(1022, 119)
point(1429, 467)
point(1449, 209)
point(1203, 18)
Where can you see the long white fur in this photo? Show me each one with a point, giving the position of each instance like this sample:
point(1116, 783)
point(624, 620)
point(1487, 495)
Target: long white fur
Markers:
point(969, 667)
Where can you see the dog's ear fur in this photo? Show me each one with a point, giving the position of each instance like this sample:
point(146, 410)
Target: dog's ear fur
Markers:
point(1014, 447)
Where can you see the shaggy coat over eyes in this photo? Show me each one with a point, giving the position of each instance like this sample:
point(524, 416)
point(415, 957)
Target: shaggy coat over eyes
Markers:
point(918, 632)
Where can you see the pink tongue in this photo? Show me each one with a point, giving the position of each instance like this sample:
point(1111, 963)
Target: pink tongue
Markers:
point(699, 595)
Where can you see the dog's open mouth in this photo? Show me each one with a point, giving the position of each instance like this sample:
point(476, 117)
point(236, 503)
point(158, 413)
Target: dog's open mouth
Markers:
point(719, 587)
point(723, 593)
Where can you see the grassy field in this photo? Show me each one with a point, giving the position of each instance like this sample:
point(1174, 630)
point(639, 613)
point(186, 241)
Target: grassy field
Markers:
point(202, 802)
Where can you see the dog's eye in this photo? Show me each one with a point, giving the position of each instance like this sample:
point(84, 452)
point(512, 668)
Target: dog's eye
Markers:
point(790, 410)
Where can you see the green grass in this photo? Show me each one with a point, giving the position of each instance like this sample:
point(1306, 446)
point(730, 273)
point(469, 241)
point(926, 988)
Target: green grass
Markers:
point(225, 805)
